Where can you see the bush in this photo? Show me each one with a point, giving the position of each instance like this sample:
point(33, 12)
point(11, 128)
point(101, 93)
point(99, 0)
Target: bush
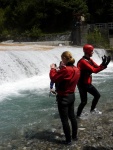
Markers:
point(98, 38)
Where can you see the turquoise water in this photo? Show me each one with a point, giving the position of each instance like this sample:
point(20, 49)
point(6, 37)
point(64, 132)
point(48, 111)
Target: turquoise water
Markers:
point(28, 110)
point(33, 109)
point(24, 98)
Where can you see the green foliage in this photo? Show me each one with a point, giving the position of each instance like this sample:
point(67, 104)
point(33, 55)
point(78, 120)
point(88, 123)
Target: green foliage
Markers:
point(101, 11)
point(39, 15)
point(97, 39)
point(34, 17)
point(35, 32)
point(1, 20)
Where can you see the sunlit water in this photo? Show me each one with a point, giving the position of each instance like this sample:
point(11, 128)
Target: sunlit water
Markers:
point(24, 87)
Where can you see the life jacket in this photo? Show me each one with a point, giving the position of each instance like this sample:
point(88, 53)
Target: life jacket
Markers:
point(66, 79)
point(87, 67)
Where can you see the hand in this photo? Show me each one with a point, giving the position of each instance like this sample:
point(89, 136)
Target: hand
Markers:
point(104, 59)
point(53, 66)
point(108, 60)
point(51, 89)
point(53, 92)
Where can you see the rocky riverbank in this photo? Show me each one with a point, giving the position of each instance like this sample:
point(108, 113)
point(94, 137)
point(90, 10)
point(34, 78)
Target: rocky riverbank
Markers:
point(95, 132)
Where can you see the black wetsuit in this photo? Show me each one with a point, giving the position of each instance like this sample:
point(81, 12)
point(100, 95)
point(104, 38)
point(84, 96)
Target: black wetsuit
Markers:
point(87, 66)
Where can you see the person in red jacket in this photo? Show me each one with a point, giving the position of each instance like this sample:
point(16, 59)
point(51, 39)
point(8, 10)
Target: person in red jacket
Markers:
point(87, 66)
point(66, 79)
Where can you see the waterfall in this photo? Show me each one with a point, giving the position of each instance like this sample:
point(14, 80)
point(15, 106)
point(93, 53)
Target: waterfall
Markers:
point(27, 67)
point(17, 65)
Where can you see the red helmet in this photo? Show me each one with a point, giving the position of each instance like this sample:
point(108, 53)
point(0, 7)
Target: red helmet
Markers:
point(88, 48)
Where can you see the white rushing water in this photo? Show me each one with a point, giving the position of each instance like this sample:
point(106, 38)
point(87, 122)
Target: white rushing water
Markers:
point(27, 67)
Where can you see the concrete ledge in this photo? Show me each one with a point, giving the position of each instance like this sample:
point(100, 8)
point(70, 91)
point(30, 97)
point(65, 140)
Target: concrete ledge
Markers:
point(50, 43)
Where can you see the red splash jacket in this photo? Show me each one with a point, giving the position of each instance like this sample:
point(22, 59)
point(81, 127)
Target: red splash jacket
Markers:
point(87, 67)
point(66, 79)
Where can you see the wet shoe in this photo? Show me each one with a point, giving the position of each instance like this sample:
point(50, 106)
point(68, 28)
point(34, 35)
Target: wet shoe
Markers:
point(82, 115)
point(78, 117)
point(75, 138)
point(95, 111)
point(67, 142)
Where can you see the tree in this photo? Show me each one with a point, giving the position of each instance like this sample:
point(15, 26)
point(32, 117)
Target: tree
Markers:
point(101, 11)
point(46, 15)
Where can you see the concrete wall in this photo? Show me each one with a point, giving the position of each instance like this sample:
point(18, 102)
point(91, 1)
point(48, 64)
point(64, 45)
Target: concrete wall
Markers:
point(111, 42)
point(78, 35)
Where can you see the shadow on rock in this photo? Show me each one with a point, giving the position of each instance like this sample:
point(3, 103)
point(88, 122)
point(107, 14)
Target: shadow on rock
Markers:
point(109, 110)
point(96, 148)
point(44, 136)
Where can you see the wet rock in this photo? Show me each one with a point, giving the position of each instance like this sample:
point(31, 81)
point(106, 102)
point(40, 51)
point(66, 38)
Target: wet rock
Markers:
point(95, 133)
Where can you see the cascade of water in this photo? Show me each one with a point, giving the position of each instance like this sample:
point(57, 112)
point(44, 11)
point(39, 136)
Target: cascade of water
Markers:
point(30, 69)
point(16, 65)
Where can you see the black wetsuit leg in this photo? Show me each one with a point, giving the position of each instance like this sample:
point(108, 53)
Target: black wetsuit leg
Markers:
point(93, 91)
point(66, 110)
point(83, 96)
point(83, 89)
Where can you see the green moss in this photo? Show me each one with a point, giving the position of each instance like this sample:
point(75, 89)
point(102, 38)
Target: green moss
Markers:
point(98, 39)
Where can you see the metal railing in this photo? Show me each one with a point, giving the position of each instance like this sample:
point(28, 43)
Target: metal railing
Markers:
point(103, 25)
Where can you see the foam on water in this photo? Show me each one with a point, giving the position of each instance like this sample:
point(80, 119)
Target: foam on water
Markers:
point(24, 68)
point(38, 83)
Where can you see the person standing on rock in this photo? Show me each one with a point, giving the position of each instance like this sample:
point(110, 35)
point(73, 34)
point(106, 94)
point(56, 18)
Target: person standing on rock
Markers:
point(87, 66)
point(67, 78)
